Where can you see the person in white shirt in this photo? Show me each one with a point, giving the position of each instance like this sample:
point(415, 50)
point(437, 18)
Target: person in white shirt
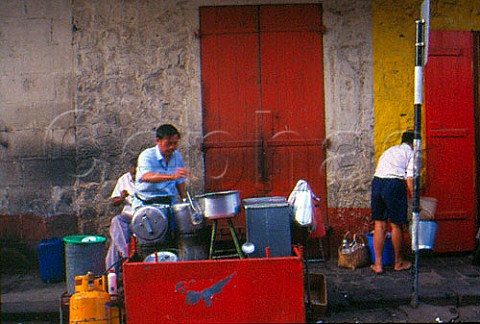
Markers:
point(120, 226)
point(392, 182)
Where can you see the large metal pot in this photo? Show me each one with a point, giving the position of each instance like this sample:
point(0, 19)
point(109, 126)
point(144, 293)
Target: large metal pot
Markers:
point(150, 224)
point(187, 219)
point(219, 204)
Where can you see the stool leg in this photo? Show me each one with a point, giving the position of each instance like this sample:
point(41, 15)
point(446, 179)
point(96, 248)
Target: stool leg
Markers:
point(212, 239)
point(235, 238)
point(322, 252)
point(322, 257)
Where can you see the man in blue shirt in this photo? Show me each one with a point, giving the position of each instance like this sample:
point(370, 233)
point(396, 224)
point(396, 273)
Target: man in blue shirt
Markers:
point(161, 173)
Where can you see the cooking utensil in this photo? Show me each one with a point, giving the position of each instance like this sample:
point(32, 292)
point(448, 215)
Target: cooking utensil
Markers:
point(150, 223)
point(162, 256)
point(196, 216)
point(187, 220)
point(219, 204)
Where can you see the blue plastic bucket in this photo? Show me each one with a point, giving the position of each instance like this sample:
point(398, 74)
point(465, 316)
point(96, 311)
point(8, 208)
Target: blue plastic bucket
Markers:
point(388, 256)
point(83, 253)
point(51, 258)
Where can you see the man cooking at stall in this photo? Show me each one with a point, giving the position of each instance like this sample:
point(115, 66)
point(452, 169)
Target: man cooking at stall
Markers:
point(160, 181)
point(161, 172)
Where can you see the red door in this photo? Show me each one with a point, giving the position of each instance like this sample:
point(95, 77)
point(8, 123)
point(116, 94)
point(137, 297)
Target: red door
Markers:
point(450, 138)
point(262, 88)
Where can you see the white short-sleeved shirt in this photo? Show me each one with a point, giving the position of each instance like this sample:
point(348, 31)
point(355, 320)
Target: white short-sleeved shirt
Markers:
point(125, 182)
point(396, 163)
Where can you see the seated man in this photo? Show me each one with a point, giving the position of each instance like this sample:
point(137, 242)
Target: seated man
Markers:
point(120, 226)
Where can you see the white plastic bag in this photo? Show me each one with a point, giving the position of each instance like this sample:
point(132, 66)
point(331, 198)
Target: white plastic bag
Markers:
point(300, 200)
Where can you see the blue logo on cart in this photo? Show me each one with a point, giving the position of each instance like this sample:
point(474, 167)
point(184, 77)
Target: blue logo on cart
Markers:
point(193, 297)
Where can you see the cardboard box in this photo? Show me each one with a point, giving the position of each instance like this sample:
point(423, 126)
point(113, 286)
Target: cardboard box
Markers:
point(318, 296)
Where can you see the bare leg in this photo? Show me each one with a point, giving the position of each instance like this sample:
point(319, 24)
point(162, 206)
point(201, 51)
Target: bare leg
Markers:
point(378, 245)
point(397, 241)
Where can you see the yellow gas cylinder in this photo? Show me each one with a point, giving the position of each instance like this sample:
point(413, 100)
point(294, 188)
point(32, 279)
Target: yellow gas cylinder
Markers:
point(91, 303)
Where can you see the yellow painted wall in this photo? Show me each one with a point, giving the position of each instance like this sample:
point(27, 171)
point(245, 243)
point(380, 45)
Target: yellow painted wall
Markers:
point(393, 24)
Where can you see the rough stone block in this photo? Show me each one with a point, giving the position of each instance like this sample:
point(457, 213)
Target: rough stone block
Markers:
point(26, 143)
point(12, 8)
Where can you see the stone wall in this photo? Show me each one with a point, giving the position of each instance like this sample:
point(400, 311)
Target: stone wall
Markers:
point(37, 151)
point(87, 82)
point(348, 102)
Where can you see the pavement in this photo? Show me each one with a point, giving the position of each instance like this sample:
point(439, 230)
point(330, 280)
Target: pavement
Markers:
point(447, 290)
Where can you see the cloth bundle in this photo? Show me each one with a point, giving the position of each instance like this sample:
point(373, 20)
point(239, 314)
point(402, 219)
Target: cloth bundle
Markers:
point(300, 200)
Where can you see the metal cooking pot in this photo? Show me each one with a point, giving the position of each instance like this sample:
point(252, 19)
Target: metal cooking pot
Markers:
point(219, 204)
point(187, 218)
point(150, 224)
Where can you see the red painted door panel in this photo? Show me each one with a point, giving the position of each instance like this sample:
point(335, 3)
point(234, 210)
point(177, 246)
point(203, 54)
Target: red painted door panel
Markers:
point(292, 96)
point(230, 95)
point(450, 138)
point(262, 88)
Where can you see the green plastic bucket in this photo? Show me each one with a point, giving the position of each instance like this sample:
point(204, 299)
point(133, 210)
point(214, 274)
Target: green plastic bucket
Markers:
point(83, 253)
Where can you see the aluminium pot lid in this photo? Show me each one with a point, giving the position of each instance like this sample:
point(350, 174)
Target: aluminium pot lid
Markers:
point(150, 223)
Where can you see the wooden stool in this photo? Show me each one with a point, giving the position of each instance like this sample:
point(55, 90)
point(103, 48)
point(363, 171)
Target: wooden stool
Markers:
point(236, 242)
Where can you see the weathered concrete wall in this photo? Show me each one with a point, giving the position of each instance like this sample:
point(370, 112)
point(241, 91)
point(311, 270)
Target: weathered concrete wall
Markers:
point(348, 102)
point(36, 139)
point(126, 67)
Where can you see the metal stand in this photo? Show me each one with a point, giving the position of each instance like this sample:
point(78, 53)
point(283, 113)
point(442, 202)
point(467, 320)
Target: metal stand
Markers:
point(236, 242)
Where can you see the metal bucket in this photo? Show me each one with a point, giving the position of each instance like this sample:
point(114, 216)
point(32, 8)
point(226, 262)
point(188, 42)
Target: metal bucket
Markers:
point(193, 246)
point(220, 204)
point(83, 253)
point(187, 221)
point(427, 232)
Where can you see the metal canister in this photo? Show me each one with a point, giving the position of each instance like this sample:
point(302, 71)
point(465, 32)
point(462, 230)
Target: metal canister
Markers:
point(91, 302)
point(193, 246)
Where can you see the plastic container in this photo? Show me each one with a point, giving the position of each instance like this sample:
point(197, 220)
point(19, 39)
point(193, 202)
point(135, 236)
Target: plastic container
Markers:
point(388, 256)
point(428, 207)
point(51, 258)
point(112, 282)
point(83, 253)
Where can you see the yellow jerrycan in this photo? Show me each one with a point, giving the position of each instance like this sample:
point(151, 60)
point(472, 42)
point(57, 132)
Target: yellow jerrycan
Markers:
point(91, 303)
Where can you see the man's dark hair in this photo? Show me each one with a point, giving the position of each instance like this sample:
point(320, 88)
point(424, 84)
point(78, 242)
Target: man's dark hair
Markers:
point(408, 137)
point(167, 130)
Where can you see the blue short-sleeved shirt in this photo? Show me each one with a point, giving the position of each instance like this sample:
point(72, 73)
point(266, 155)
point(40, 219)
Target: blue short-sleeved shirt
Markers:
point(152, 160)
